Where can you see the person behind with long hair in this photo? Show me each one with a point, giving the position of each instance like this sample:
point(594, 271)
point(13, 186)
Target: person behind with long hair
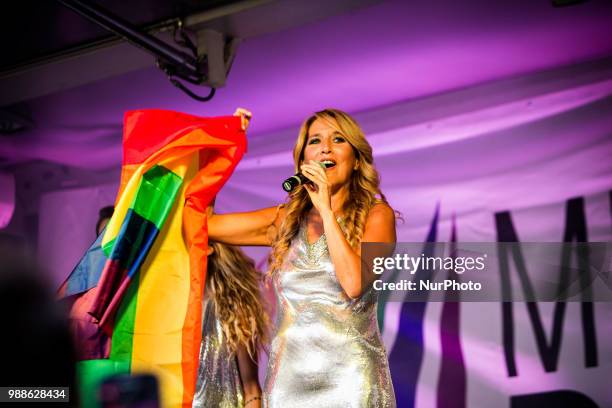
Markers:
point(326, 349)
point(233, 325)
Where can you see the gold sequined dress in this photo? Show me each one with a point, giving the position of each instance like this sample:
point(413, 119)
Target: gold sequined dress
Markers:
point(218, 381)
point(327, 350)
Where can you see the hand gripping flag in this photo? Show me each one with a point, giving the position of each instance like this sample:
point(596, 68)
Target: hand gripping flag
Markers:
point(148, 297)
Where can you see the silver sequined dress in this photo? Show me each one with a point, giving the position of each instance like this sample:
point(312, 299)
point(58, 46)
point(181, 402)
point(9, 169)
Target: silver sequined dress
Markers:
point(218, 382)
point(327, 350)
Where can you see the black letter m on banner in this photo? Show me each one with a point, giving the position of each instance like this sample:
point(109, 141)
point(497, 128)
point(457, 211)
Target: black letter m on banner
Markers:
point(575, 230)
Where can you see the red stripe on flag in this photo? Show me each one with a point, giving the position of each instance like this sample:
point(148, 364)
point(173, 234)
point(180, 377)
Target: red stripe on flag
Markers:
point(110, 282)
point(146, 132)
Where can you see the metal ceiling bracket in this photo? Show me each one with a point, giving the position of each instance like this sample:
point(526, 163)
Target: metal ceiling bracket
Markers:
point(209, 67)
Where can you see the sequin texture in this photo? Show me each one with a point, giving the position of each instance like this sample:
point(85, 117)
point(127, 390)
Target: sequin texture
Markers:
point(326, 350)
point(218, 381)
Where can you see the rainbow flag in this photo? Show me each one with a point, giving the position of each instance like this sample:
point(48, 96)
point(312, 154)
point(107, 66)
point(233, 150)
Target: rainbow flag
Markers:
point(148, 298)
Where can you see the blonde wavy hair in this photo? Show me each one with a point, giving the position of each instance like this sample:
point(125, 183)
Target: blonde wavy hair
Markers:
point(233, 284)
point(364, 190)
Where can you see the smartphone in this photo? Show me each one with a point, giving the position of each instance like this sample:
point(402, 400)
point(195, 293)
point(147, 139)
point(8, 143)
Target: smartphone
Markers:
point(129, 391)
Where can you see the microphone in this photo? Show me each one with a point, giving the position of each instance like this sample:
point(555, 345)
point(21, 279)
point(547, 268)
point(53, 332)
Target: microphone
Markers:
point(292, 182)
point(297, 179)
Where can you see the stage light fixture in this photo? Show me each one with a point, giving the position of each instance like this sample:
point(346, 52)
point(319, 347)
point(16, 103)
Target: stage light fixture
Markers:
point(205, 63)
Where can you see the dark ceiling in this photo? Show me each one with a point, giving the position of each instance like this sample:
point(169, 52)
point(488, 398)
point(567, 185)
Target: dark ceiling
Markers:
point(32, 30)
point(296, 56)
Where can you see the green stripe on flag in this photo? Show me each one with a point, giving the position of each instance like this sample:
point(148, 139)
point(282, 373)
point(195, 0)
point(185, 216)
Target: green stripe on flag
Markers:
point(91, 374)
point(108, 248)
point(123, 332)
point(156, 194)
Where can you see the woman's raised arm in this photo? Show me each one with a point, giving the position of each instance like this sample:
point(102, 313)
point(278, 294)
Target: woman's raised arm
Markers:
point(247, 228)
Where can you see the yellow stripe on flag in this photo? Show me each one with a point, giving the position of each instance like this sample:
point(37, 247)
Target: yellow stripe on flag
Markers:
point(163, 299)
point(122, 206)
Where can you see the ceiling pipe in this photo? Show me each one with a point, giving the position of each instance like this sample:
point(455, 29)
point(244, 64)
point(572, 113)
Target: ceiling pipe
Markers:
point(173, 62)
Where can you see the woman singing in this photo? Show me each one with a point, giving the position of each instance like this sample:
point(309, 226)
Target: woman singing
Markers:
point(326, 349)
point(233, 326)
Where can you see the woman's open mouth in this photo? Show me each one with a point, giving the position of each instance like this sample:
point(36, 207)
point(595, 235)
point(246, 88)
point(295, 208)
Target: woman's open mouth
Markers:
point(328, 163)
